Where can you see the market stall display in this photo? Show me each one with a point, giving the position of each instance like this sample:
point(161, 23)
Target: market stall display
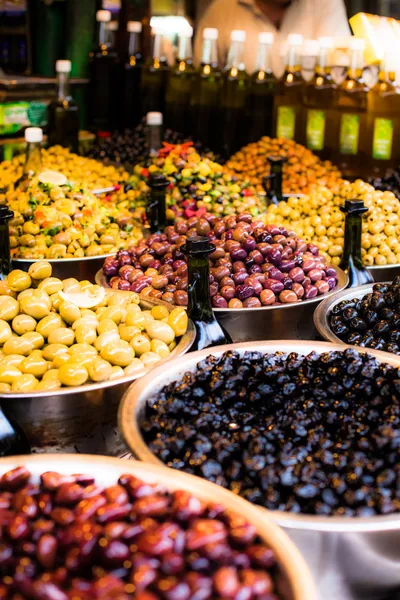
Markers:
point(302, 173)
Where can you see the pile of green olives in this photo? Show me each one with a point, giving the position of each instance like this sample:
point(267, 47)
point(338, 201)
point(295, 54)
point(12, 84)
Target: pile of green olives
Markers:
point(50, 339)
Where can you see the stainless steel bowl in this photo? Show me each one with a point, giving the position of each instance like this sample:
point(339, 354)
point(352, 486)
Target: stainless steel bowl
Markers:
point(350, 558)
point(63, 268)
point(324, 310)
point(294, 579)
point(384, 273)
point(286, 321)
point(80, 419)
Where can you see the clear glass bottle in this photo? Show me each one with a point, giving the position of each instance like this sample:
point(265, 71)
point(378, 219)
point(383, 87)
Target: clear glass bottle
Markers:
point(320, 98)
point(288, 114)
point(351, 260)
point(33, 153)
point(132, 108)
point(63, 112)
point(180, 84)
point(154, 77)
point(207, 92)
point(154, 122)
point(352, 105)
point(263, 86)
point(234, 96)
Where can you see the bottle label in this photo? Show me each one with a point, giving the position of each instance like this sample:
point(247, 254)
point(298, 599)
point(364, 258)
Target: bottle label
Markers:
point(286, 122)
point(349, 133)
point(383, 139)
point(316, 129)
point(14, 116)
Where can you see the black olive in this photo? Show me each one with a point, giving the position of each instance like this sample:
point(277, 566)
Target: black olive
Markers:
point(380, 287)
point(381, 329)
point(386, 314)
point(392, 347)
point(370, 317)
point(349, 313)
point(378, 301)
point(340, 306)
point(389, 299)
point(354, 338)
point(367, 338)
point(358, 324)
point(339, 328)
point(394, 336)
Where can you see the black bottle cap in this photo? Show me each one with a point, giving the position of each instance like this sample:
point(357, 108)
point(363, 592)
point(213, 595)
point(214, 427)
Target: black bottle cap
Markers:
point(277, 160)
point(5, 213)
point(354, 207)
point(158, 180)
point(198, 245)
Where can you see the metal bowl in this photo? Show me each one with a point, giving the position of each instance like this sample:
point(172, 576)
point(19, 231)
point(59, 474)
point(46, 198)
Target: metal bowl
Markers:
point(350, 558)
point(84, 418)
point(384, 273)
point(284, 321)
point(63, 268)
point(323, 310)
point(294, 579)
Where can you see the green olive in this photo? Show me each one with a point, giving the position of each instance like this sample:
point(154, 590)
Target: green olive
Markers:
point(116, 299)
point(5, 289)
point(23, 323)
point(141, 344)
point(40, 269)
point(12, 360)
point(159, 312)
point(88, 312)
point(71, 286)
point(24, 383)
point(150, 358)
point(34, 366)
point(135, 318)
point(47, 324)
point(85, 334)
point(127, 332)
point(106, 325)
point(48, 385)
point(53, 350)
point(69, 312)
point(5, 387)
point(117, 373)
point(83, 321)
point(117, 354)
point(9, 308)
point(51, 374)
point(19, 280)
point(51, 285)
point(60, 359)
point(108, 337)
point(160, 348)
point(99, 370)
point(5, 331)
point(18, 345)
point(56, 301)
point(61, 335)
point(115, 313)
point(82, 349)
point(136, 367)
point(37, 304)
point(178, 320)
point(36, 353)
point(73, 374)
point(147, 315)
point(160, 331)
point(8, 373)
point(35, 338)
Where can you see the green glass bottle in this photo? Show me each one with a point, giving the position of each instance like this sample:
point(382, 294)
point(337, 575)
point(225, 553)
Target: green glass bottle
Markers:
point(351, 260)
point(156, 206)
point(154, 123)
point(154, 78)
point(63, 112)
point(179, 87)
point(273, 182)
point(208, 331)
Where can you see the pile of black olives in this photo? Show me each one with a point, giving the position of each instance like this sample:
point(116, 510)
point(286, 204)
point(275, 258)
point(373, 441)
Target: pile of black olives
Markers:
point(316, 434)
point(390, 182)
point(372, 321)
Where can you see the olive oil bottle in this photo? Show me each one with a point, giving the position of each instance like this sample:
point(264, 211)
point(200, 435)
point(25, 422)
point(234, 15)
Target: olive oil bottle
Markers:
point(320, 96)
point(352, 105)
point(132, 109)
point(179, 87)
point(384, 118)
point(154, 123)
point(154, 78)
point(351, 260)
point(63, 112)
point(206, 94)
point(288, 113)
point(263, 86)
point(234, 96)
point(33, 154)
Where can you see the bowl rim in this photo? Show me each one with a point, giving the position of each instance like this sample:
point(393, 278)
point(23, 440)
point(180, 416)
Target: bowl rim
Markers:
point(60, 260)
point(105, 467)
point(135, 397)
point(343, 280)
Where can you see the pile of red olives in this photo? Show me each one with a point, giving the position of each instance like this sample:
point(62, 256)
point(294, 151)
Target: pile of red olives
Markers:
point(253, 264)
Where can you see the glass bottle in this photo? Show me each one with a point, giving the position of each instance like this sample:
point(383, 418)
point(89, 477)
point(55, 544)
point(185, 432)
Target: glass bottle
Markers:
point(154, 77)
point(273, 182)
point(63, 112)
point(234, 96)
point(154, 122)
point(111, 29)
point(208, 331)
point(179, 86)
point(289, 98)
point(33, 155)
point(104, 80)
point(351, 260)
point(352, 105)
point(156, 206)
point(262, 89)
point(132, 109)
point(384, 118)
point(207, 92)
point(5, 257)
point(320, 96)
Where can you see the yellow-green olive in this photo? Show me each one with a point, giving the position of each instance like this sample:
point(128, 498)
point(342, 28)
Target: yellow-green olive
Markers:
point(136, 367)
point(141, 344)
point(160, 348)
point(12, 360)
point(56, 301)
point(24, 383)
point(69, 312)
point(61, 335)
point(47, 324)
point(9, 308)
point(115, 313)
point(117, 373)
point(106, 325)
point(5, 289)
point(178, 320)
point(51, 374)
point(159, 312)
point(83, 321)
point(36, 353)
point(150, 358)
point(73, 374)
point(88, 312)
point(99, 370)
point(18, 345)
point(160, 331)
point(71, 286)
point(35, 338)
point(40, 269)
point(117, 354)
point(53, 350)
point(134, 298)
point(34, 366)
point(116, 299)
point(48, 385)
point(60, 359)
point(135, 318)
point(51, 285)
point(82, 349)
point(5, 387)
point(85, 334)
point(23, 323)
point(19, 280)
point(37, 304)
point(127, 332)
point(108, 337)
point(8, 373)
point(5, 331)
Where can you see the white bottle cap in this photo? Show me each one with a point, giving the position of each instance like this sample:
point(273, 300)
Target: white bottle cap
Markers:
point(187, 32)
point(325, 42)
point(63, 66)
point(112, 26)
point(103, 16)
point(265, 37)
point(357, 44)
point(295, 39)
point(154, 118)
point(310, 48)
point(134, 27)
point(33, 135)
point(238, 35)
point(210, 33)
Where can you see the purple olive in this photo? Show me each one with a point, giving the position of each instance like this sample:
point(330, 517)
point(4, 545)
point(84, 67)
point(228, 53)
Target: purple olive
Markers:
point(249, 244)
point(219, 302)
point(239, 278)
point(110, 268)
point(244, 291)
point(227, 292)
point(254, 283)
point(257, 257)
point(254, 269)
point(275, 257)
point(332, 282)
point(330, 272)
point(274, 285)
point(275, 273)
point(287, 265)
point(310, 292)
point(124, 285)
point(296, 275)
point(238, 254)
point(287, 282)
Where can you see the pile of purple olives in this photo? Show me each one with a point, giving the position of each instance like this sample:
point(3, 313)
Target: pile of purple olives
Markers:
point(253, 264)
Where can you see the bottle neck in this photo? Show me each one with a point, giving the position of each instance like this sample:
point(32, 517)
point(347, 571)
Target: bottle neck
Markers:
point(236, 56)
point(154, 138)
point(356, 64)
point(263, 62)
point(185, 49)
point(102, 34)
point(157, 47)
point(209, 55)
point(33, 159)
point(5, 258)
point(156, 213)
point(352, 239)
point(323, 61)
point(133, 46)
point(63, 85)
point(199, 299)
point(293, 61)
